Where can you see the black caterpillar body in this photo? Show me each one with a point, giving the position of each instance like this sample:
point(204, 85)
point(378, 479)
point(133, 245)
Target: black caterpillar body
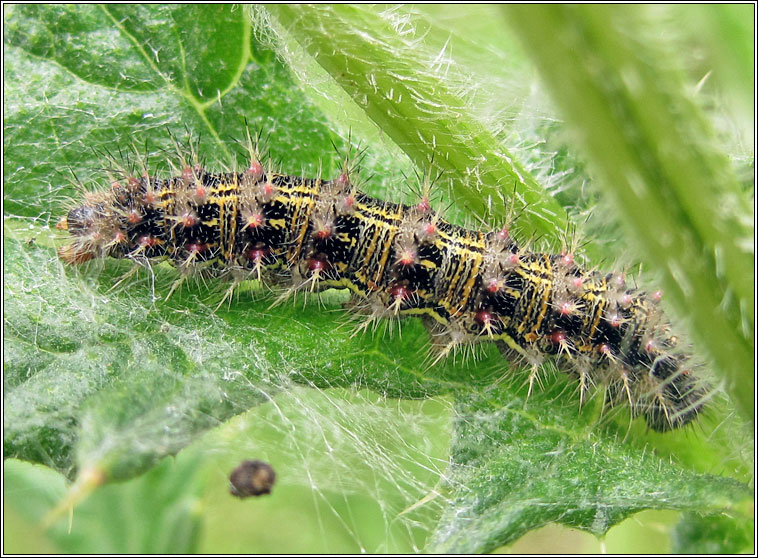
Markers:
point(399, 260)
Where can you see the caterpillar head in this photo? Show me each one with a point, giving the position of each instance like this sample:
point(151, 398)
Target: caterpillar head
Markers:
point(93, 230)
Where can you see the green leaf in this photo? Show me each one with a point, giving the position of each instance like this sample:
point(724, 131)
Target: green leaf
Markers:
point(117, 380)
point(157, 513)
point(360, 48)
point(134, 75)
point(110, 380)
point(505, 463)
point(402, 89)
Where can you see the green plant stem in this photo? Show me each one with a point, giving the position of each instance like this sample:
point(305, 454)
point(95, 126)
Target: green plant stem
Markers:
point(653, 151)
point(389, 76)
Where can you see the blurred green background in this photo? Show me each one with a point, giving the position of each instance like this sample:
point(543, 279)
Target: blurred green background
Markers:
point(184, 504)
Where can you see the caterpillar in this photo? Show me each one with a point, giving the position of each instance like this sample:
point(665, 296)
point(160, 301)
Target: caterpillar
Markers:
point(398, 260)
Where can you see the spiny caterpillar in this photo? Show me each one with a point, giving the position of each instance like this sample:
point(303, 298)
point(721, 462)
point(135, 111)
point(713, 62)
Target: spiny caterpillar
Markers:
point(398, 260)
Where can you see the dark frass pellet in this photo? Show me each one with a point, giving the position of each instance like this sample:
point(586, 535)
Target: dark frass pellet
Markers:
point(251, 478)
